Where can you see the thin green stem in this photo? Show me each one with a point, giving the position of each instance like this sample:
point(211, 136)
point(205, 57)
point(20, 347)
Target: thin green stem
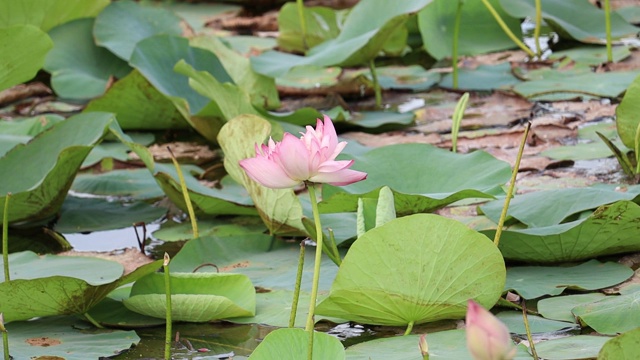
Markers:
point(303, 23)
point(167, 291)
point(376, 84)
point(512, 186)
point(607, 25)
point(185, 195)
point(296, 291)
point(5, 338)
point(456, 37)
point(636, 147)
point(456, 120)
point(409, 328)
point(506, 29)
point(92, 321)
point(5, 237)
point(316, 269)
point(527, 329)
point(536, 30)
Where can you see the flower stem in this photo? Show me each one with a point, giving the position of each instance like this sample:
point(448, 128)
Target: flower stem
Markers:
point(92, 321)
point(296, 291)
point(607, 24)
point(506, 29)
point(167, 291)
point(376, 84)
point(536, 30)
point(528, 329)
point(409, 328)
point(512, 185)
point(5, 237)
point(456, 36)
point(185, 194)
point(316, 269)
point(303, 24)
point(5, 338)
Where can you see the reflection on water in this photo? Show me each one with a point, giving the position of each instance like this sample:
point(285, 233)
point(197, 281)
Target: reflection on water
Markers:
point(108, 240)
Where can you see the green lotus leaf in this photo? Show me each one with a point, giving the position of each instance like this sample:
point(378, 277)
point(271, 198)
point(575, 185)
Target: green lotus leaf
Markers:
point(572, 347)
point(623, 347)
point(48, 165)
point(21, 63)
point(196, 297)
point(322, 24)
point(293, 344)
point(484, 77)
point(47, 14)
point(626, 114)
point(137, 184)
point(611, 315)
point(559, 307)
point(415, 269)
point(439, 179)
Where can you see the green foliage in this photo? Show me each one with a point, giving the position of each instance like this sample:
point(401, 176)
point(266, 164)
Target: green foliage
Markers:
point(47, 14)
point(20, 63)
point(624, 347)
point(293, 344)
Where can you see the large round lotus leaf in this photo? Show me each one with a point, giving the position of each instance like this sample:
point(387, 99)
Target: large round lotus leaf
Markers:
point(612, 315)
point(21, 63)
point(59, 338)
point(571, 348)
point(196, 297)
point(422, 177)
point(293, 344)
point(623, 347)
point(121, 25)
point(415, 269)
point(559, 307)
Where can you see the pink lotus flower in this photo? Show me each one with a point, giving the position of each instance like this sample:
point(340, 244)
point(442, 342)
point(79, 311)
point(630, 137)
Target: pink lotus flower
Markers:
point(487, 337)
point(285, 164)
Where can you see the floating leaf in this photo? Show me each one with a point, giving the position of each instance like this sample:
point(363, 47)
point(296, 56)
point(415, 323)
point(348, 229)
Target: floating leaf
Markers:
point(48, 165)
point(410, 270)
point(611, 229)
point(47, 14)
point(537, 324)
point(134, 183)
point(21, 63)
point(79, 69)
point(419, 186)
point(559, 307)
point(571, 348)
point(237, 226)
point(575, 19)
point(195, 297)
point(611, 315)
point(60, 338)
point(592, 55)
point(121, 25)
point(274, 309)
point(280, 209)
point(293, 344)
point(479, 31)
point(532, 282)
point(623, 347)
point(413, 77)
point(484, 77)
point(364, 33)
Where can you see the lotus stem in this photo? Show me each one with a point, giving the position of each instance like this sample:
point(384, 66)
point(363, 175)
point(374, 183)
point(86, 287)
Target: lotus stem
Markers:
point(167, 291)
point(506, 29)
point(185, 195)
point(527, 329)
point(454, 50)
point(296, 291)
point(409, 328)
point(458, 113)
point(512, 186)
point(316, 269)
point(5, 338)
point(92, 321)
point(376, 84)
point(303, 23)
point(607, 25)
point(636, 146)
point(536, 30)
point(5, 237)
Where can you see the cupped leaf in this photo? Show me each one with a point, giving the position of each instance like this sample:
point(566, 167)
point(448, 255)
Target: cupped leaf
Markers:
point(21, 63)
point(533, 210)
point(121, 25)
point(612, 315)
point(322, 24)
point(280, 209)
point(195, 297)
point(60, 338)
point(611, 229)
point(532, 282)
point(626, 114)
point(439, 179)
point(293, 344)
point(623, 347)
point(479, 32)
point(79, 69)
point(47, 14)
point(48, 165)
point(138, 105)
point(559, 307)
point(369, 25)
point(415, 269)
point(575, 19)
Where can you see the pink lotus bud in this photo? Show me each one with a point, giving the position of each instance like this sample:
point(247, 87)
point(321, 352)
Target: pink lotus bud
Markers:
point(487, 337)
point(424, 347)
point(285, 164)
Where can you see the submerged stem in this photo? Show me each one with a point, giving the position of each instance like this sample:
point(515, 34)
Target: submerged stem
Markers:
point(316, 268)
point(506, 29)
point(296, 291)
point(5, 237)
point(512, 185)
